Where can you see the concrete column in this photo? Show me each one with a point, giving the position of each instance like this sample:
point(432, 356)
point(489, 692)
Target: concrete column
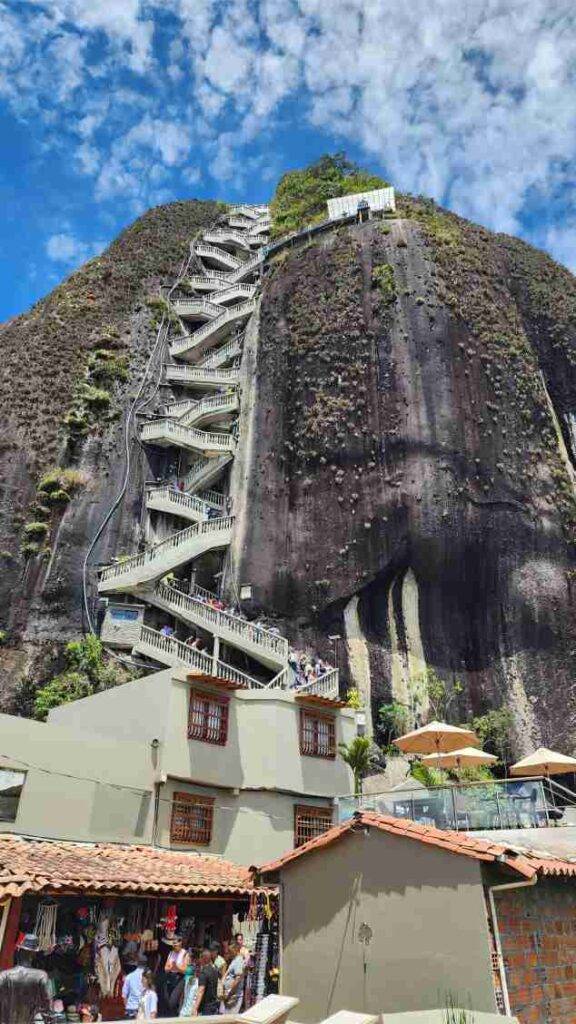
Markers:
point(216, 655)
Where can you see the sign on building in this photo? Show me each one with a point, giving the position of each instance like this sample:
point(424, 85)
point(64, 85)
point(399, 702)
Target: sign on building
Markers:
point(347, 206)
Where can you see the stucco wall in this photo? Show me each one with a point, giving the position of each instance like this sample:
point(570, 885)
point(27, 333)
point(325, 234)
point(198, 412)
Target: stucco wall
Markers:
point(134, 711)
point(249, 827)
point(425, 910)
point(78, 785)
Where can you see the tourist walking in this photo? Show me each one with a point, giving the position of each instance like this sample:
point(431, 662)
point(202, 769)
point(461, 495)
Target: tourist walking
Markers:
point(148, 1008)
point(132, 988)
point(233, 982)
point(207, 995)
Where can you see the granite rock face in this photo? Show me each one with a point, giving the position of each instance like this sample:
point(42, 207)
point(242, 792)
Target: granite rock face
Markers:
point(408, 484)
point(45, 358)
point(412, 482)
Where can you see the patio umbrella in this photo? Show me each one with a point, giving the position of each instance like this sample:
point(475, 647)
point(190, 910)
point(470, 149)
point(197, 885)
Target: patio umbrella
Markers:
point(544, 762)
point(436, 737)
point(468, 757)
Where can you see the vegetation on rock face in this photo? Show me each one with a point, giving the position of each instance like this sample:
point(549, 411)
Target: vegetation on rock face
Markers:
point(86, 673)
point(518, 327)
point(301, 196)
point(359, 755)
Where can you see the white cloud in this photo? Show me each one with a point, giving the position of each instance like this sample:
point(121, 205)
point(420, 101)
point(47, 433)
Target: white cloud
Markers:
point(473, 103)
point(65, 248)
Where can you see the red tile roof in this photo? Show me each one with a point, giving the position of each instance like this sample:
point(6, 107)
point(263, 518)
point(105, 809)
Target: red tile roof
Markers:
point(552, 866)
point(33, 865)
point(452, 842)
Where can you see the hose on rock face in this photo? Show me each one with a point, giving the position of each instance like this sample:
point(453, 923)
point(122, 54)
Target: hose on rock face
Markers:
point(133, 410)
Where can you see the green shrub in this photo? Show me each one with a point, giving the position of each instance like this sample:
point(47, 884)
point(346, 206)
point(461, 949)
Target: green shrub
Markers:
point(301, 196)
point(36, 529)
point(58, 497)
point(62, 689)
point(61, 478)
point(29, 549)
point(76, 422)
point(3, 637)
point(383, 278)
point(95, 398)
point(106, 367)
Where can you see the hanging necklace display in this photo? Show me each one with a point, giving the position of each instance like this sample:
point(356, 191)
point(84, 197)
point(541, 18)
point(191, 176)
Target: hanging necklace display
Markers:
point(45, 927)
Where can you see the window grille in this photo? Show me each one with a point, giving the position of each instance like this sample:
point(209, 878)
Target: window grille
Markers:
point(208, 717)
point(317, 735)
point(310, 822)
point(192, 818)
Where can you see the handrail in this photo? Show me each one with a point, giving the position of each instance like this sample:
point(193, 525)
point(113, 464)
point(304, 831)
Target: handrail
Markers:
point(175, 541)
point(213, 498)
point(176, 372)
point(224, 353)
point(225, 234)
point(211, 403)
point(199, 469)
point(203, 249)
point(195, 659)
point(226, 315)
point(167, 427)
point(224, 620)
point(325, 686)
point(203, 280)
point(176, 497)
point(197, 306)
point(244, 289)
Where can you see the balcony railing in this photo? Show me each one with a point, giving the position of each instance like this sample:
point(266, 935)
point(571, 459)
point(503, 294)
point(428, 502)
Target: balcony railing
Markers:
point(476, 806)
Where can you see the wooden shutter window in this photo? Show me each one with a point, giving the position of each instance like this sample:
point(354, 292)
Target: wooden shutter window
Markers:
point(317, 735)
point(310, 822)
point(192, 818)
point(208, 717)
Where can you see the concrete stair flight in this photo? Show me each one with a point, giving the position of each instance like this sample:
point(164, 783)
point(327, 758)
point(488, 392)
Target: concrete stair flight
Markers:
point(175, 502)
point(173, 653)
point(193, 345)
point(261, 644)
point(170, 554)
point(165, 432)
point(192, 412)
point(202, 377)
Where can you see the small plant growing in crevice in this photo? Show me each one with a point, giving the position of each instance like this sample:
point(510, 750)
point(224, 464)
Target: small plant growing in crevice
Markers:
point(383, 279)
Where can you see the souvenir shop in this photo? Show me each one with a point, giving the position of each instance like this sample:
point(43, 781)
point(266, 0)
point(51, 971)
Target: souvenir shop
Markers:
point(88, 941)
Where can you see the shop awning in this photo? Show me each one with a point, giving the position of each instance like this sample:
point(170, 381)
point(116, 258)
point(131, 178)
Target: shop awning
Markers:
point(37, 865)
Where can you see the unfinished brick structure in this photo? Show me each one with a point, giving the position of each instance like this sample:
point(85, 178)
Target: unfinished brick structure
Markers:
point(538, 936)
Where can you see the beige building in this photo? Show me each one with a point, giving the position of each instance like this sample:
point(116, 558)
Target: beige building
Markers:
point(384, 915)
point(182, 762)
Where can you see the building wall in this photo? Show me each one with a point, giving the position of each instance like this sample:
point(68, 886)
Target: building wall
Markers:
point(248, 826)
point(263, 748)
point(422, 910)
point(538, 935)
point(78, 785)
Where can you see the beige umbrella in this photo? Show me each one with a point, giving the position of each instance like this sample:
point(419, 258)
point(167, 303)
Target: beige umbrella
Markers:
point(468, 757)
point(436, 737)
point(544, 762)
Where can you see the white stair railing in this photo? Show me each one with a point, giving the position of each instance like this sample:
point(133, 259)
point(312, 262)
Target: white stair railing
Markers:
point(325, 686)
point(211, 404)
point(213, 252)
point(156, 553)
point(213, 498)
point(189, 437)
point(181, 500)
point(226, 235)
point(171, 649)
point(227, 315)
point(196, 605)
point(225, 294)
point(202, 469)
point(222, 355)
point(195, 307)
point(204, 375)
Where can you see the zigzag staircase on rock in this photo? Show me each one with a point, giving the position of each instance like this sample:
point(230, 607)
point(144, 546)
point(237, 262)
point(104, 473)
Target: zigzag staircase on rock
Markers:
point(212, 319)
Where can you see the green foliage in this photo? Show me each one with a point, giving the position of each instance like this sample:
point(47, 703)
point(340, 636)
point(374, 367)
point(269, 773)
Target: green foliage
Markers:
point(36, 529)
point(383, 278)
point(59, 497)
point(474, 773)
point(3, 637)
point(393, 721)
point(62, 689)
point(359, 755)
point(86, 673)
point(93, 397)
point(61, 478)
point(426, 775)
point(301, 196)
point(440, 697)
point(76, 422)
point(354, 699)
point(494, 731)
point(29, 548)
point(106, 367)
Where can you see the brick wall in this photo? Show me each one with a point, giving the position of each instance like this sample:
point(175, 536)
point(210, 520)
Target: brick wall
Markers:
point(538, 935)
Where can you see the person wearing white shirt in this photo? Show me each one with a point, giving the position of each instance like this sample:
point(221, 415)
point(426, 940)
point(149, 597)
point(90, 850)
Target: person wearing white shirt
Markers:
point(133, 988)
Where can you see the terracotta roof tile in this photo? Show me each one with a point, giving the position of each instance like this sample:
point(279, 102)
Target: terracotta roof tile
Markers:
point(452, 842)
point(32, 865)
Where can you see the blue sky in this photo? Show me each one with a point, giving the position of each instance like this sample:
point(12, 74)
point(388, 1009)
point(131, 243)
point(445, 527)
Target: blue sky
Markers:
point(108, 107)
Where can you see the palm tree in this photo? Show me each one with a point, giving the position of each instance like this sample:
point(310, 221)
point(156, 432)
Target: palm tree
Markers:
point(358, 755)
